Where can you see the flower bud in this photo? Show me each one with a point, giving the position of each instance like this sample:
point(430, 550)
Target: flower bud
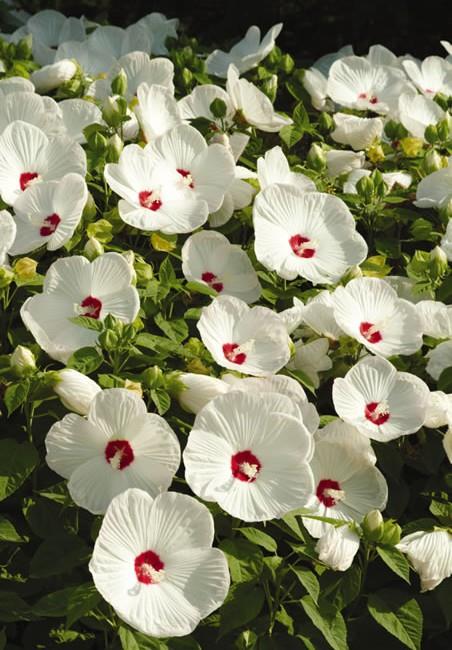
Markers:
point(119, 83)
point(438, 262)
point(391, 534)
point(108, 340)
point(23, 48)
point(326, 121)
point(25, 269)
point(152, 377)
point(89, 211)
point(101, 230)
point(114, 148)
point(6, 277)
point(411, 147)
point(431, 134)
point(287, 63)
point(22, 361)
point(143, 271)
point(129, 256)
point(375, 153)
point(134, 386)
point(93, 248)
point(338, 547)
point(446, 211)
point(316, 158)
point(75, 390)
point(443, 129)
point(373, 526)
point(365, 188)
point(432, 161)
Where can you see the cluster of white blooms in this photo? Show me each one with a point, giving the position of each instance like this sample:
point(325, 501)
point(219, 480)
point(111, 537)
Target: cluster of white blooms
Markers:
point(256, 447)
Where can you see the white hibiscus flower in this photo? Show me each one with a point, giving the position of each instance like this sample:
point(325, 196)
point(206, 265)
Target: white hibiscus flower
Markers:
point(76, 390)
point(254, 105)
point(31, 108)
point(173, 183)
point(250, 453)
point(28, 156)
point(379, 401)
point(417, 112)
point(245, 54)
point(347, 485)
point(308, 234)
point(251, 340)
point(432, 76)
point(430, 553)
point(435, 190)
point(77, 115)
point(311, 358)
point(209, 258)
point(160, 27)
point(48, 213)
point(153, 561)
point(369, 310)
point(118, 446)
point(75, 287)
point(53, 75)
point(157, 110)
point(354, 82)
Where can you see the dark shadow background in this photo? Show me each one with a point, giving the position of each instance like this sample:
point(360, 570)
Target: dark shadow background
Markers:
point(311, 27)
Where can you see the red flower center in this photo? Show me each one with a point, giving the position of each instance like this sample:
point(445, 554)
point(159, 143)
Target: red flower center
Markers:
point(301, 246)
point(211, 279)
point(229, 351)
point(326, 492)
point(91, 307)
point(189, 179)
point(150, 199)
point(149, 568)
point(377, 412)
point(372, 100)
point(26, 178)
point(430, 91)
point(370, 332)
point(119, 454)
point(245, 466)
point(49, 225)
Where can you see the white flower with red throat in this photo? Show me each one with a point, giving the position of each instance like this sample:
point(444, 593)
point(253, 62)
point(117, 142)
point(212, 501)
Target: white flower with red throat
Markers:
point(379, 401)
point(354, 82)
point(430, 553)
point(173, 183)
point(153, 561)
point(75, 287)
point(249, 453)
point(245, 54)
point(432, 76)
point(253, 341)
point(209, 258)
point(369, 310)
point(48, 214)
point(274, 168)
point(254, 105)
point(28, 156)
point(8, 231)
point(305, 234)
point(119, 445)
point(346, 482)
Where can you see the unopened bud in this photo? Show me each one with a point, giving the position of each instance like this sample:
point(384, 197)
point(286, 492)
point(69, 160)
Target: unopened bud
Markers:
point(375, 153)
point(134, 386)
point(89, 211)
point(25, 269)
point(114, 148)
point(22, 361)
point(432, 161)
point(411, 147)
point(365, 188)
point(391, 534)
point(93, 248)
point(438, 262)
point(152, 377)
point(6, 277)
point(431, 134)
point(119, 83)
point(316, 158)
point(373, 526)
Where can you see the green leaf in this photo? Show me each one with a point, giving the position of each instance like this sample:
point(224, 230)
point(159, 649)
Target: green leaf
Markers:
point(395, 560)
point(81, 600)
point(85, 360)
point(17, 461)
point(329, 621)
point(260, 538)
point(300, 116)
point(88, 323)
point(176, 330)
point(243, 604)
point(309, 581)
point(131, 640)
point(399, 614)
point(15, 396)
point(303, 378)
point(291, 134)
point(13, 608)
point(161, 399)
point(8, 533)
point(244, 558)
point(445, 381)
point(58, 555)
point(167, 275)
